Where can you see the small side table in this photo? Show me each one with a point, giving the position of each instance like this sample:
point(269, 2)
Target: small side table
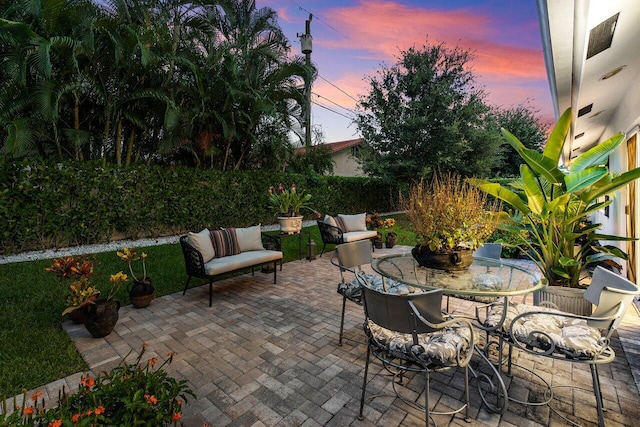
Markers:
point(302, 249)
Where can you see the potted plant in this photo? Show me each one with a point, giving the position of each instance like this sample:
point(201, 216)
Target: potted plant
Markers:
point(375, 223)
point(287, 204)
point(100, 311)
point(77, 270)
point(551, 205)
point(451, 218)
point(142, 291)
point(101, 315)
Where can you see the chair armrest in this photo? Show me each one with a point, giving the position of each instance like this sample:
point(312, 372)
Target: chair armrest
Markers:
point(193, 260)
point(329, 233)
point(270, 242)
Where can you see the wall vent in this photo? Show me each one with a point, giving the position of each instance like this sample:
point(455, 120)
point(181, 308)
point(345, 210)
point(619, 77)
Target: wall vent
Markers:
point(601, 36)
point(585, 110)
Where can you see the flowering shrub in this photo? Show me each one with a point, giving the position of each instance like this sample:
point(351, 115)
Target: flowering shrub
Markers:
point(288, 202)
point(374, 222)
point(130, 394)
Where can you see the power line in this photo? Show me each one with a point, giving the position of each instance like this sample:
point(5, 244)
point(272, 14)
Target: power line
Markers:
point(333, 102)
point(332, 110)
point(337, 88)
point(319, 19)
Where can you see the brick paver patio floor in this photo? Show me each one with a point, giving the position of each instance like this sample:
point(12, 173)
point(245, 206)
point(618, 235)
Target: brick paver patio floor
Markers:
point(267, 355)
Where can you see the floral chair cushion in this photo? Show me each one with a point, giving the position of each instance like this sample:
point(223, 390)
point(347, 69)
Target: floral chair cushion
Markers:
point(351, 290)
point(440, 348)
point(569, 336)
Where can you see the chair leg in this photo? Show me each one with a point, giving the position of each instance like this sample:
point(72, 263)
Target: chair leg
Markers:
point(323, 246)
point(344, 304)
point(598, 394)
point(364, 383)
point(426, 397)
point(275, 270)
point(186, 286)
point(210, 292)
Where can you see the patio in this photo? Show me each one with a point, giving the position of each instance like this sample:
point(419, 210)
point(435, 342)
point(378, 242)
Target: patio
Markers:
point(267, 355)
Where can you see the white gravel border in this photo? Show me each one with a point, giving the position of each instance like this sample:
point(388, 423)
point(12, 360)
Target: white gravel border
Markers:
point(107, 247)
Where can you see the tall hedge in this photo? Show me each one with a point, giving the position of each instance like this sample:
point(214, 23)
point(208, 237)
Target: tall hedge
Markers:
point(45, 205)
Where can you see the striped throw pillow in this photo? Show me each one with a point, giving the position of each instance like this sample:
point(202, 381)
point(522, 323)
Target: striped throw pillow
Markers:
point(340, 224)
point(225, 242)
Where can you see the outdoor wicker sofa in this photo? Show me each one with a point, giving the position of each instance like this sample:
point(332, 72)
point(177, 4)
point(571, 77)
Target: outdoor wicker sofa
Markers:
point(210, 254)
point(344, 229)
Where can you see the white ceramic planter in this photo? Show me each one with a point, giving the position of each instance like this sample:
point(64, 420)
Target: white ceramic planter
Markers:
point(290, 224)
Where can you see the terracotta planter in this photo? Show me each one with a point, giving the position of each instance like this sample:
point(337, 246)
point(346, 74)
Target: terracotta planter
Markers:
point(141, 293)
point(101, 317)
point(290, 224)
point(569, 300)
point(453, 261)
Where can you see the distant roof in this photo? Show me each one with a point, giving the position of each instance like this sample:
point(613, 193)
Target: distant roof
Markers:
point(336, 146)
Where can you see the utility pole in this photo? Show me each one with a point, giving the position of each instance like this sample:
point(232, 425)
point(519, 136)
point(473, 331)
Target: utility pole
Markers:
point(306, 43)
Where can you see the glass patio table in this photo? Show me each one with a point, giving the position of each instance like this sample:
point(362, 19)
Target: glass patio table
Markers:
point(487, 280)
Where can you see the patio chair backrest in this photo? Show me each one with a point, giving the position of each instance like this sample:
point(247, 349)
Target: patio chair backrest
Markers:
point(612, 294)
point(393, 312)
point(354, 254)
point(489, 250)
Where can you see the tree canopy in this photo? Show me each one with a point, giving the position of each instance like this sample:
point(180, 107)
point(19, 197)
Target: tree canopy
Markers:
point(426, 114)
point(205, 82)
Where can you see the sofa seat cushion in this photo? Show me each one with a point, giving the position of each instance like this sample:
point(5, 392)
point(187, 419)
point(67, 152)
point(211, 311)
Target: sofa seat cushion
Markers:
point(241, 260)
point(568, 336)
point(440, 347)
point(353, 236)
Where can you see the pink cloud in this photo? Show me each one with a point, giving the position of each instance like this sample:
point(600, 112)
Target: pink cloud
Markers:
point(384, 28)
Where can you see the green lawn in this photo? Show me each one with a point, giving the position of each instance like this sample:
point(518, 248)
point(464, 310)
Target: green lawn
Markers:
point(35, 350)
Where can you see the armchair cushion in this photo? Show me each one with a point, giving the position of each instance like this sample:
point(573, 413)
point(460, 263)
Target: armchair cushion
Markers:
point(202, 243)
point(568, 335)
point(249, 239)
point(440, 347)
point(354, 222)
point(225, 242)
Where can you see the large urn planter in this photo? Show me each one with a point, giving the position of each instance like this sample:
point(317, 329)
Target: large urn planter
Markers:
point(290, 224)
point(101, 317)
point(457, 260)
point(568, 300)
point(141, 292)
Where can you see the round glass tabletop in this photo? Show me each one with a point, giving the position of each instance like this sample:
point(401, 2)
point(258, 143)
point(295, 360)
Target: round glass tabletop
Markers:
point(485, 277)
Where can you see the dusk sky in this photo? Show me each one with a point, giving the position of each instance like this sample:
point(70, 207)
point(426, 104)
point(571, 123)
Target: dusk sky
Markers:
point(352, 39)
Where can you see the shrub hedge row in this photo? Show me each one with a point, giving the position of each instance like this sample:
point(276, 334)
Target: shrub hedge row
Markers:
point(46, 205)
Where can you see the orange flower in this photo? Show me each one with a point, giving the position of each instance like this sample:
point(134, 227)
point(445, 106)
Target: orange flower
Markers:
point(75, 418)
point(99, 410)
point(89, 412)
point(152, 361)
point(56, 423)
point(28, 410)
point(36, 395)
point(176, 417)
point(206, 425)
point(151, 399)
point(87, 381)
point(179, 402)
